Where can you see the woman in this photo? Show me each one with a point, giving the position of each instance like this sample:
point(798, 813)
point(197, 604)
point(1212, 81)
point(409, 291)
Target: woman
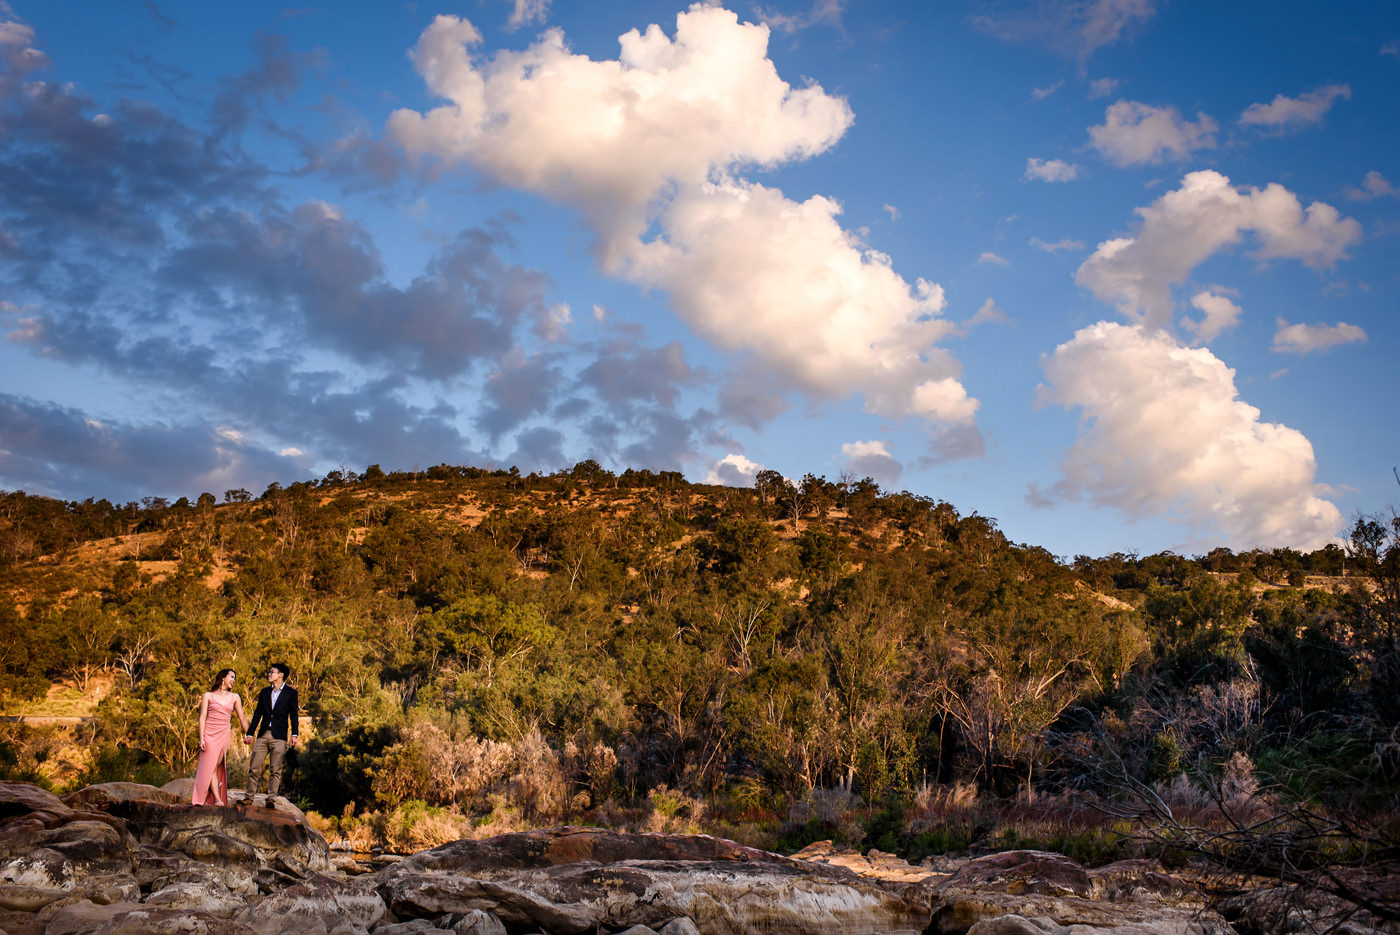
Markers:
point(216, 710)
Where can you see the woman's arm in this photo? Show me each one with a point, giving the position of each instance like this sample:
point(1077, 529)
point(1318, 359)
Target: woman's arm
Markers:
point(203, 716)
point(238, 706)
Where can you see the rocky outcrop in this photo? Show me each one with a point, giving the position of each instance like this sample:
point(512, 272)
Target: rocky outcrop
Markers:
point(1040, 893)
point(579, 880)
point(126, 859)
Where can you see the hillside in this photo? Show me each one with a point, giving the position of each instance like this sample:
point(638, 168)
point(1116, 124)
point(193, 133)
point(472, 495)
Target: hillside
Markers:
point(480, 650)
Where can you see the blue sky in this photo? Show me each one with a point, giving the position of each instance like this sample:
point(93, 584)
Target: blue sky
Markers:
point(1118, 273)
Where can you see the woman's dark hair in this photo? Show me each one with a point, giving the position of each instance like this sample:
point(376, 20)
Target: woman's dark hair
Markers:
point(219, 679)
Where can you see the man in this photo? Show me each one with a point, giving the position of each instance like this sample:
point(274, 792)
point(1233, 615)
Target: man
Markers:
point(274, 726)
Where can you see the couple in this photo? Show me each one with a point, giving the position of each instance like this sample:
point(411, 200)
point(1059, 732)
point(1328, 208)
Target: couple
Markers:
point(274, 726)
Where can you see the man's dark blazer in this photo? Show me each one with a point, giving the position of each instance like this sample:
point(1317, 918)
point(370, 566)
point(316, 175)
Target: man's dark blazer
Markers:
point(277, 719)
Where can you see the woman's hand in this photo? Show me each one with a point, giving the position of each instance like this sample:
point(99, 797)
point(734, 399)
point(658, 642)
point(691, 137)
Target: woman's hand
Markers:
point(201, 745)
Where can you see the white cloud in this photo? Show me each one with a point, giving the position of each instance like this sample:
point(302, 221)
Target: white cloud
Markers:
point(1134, 134)
point(554, 323)
point(1163, 432)
point(1040, 94)
point(1219, 315)
point(611, 136)
point(1391, 48)
point(526, 12)
point(1373, 186)
point(1056, 246)
point(988, 313)
point(871, 459)
point(753, 270)
point(654, 142)
point(892, 211)
point(599, 312)
point(1102, 87)
point(994, 259)
point(1304, 339)
point(1050, 170)
point(733, 470)
point(1205, 214)
point(1294, 113)
point(291, 452)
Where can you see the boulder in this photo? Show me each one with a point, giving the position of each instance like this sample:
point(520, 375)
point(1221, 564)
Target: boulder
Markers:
point(476, 922)
point(226, 836)
point(94, 798)
point(1040, 893)
point(577, 880)
point(352, 906)
point(86, 918)
point(216, 901)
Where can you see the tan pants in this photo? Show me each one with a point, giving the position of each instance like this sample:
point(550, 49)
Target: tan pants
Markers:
point(262, 747)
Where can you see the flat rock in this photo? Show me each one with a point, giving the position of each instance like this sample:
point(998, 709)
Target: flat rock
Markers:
point(108, 793)
point(1040, 893)
point(574, 881)
point(351, 905)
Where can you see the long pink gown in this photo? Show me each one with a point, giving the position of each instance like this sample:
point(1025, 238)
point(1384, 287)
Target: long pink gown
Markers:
point(212, 766)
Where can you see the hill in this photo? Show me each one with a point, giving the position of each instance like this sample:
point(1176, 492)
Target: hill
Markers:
point(496, 650)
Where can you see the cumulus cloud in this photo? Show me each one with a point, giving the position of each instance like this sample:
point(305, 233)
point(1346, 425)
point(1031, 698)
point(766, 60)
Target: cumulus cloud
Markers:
point(733, 470)
point(1163, 432)
point(609, 137)
point(1134, 134)
point(1040, 94)
point(1373, 186)
point(1206, 214)
point(1050, 170)
point(1285, 113)
point(1304, 339)
point(994, 259)
point(892, 211)
point(1218, 313)
point(871, 459)
point(650, 148)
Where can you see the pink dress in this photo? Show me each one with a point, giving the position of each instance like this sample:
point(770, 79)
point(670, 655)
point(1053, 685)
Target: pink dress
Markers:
point(212, 767)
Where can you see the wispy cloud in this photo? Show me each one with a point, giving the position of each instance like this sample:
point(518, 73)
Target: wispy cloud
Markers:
point(1284, 114)
point(1056, 245)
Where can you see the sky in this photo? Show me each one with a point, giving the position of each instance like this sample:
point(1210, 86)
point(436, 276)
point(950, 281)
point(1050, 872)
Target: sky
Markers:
point(1120, 274)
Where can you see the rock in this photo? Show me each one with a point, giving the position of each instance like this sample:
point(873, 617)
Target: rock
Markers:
point(476, 922)
point(574, 881)
point(23, 897)
point(638, 930)
point(411, 927)
point(681, 926)
point(20, 798)
point(85, 918)
point(1018, 872)
point(157, 868)
point(107, 793)
point(350, 905)
point(225, 836)
point(1039, 893)
point(876, 865)
point(217, 902)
